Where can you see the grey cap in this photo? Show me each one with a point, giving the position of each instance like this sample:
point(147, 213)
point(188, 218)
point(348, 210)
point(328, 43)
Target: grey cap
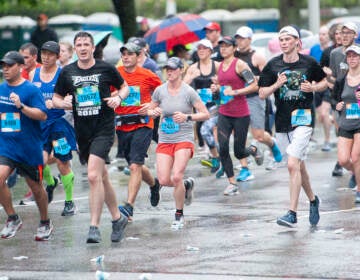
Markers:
point(131, 47)
point(51, 46)
point(174, 63)
point(12, 57)
point(138, 41)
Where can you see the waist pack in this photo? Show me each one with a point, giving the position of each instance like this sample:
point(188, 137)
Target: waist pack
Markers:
point(130, 119)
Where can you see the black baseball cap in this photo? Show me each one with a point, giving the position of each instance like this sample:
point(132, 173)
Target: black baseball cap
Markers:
point(228, 40)
point(51, 46)
point(12, 58)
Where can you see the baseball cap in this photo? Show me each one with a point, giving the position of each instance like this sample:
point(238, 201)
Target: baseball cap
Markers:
point(244, 32)
point(51, 46)
point(213, 26)
point(289, 30)
point(131, 47)
point(174, 63)
point(228, 40)
point(138, 41)
point(353, 48)
point(350, 25)
point(42, 16)
point(12, 57)
point(206, 43)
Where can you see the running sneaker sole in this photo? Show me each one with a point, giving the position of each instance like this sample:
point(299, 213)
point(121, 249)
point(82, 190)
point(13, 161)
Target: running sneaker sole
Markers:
point(281, 222)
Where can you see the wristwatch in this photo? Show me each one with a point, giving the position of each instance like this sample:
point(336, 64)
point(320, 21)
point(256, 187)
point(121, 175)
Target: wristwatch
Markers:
point(21, 106)
point(189, 118)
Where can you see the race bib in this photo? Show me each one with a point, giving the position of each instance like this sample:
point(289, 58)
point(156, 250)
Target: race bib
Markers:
point(61, 146)
point(10, 122)
point(301, 117)
point(205, 95)
point(225, 98)
point(88, 96)
point(352, 111)
point(168, 125)
point(133, 99)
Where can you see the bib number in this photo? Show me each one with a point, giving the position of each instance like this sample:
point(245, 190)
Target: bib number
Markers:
point(352, 111)
point(10, 122)
point(168, 126)
point(301, 117)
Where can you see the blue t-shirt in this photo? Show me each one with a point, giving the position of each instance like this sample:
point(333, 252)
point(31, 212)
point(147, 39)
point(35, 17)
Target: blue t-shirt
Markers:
point(20, 136)
point(316, 52)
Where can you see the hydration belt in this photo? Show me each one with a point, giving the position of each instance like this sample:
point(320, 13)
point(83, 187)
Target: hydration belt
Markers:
point(130, 119)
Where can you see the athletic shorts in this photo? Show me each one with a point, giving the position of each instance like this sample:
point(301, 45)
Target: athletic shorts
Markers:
point(319, 97)
point(99, 146)
point(133, 145)
point(295, 142)
point(25, 170)
point(348, 133)
point(171, 148)
point(257, 112)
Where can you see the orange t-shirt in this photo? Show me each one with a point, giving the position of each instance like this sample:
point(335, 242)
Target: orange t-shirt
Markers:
point(25, 73)
point(145, 81)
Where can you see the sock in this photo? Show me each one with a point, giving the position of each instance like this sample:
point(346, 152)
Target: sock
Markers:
point(49, 179)
point(68, 183)
point(179, 212)
point(45, 222)
point(13, 217)
point(292, 212)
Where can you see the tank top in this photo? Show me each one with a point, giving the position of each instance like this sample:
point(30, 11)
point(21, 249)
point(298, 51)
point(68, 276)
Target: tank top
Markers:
point(47, 90)
point(237, 107)
point(247, 57)
point(204, 81)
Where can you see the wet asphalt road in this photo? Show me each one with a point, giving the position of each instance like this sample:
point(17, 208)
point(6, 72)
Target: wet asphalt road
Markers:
point(224, 237)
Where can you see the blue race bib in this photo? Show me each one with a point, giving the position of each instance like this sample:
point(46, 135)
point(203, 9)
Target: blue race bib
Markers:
point(133, 99)
point(88, 96)
point(205, 95)
point(352, 111)
point(301, 117)
point(61, 146)
point(168, 125)
point(10, 122)
point(225, 98)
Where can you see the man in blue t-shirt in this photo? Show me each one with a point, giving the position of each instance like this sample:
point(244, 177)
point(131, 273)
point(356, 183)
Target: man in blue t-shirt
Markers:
point(22, 108)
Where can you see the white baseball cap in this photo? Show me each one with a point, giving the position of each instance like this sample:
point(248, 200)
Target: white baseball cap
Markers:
point(289, 30)
point(206, 43)
point(244, 32)
point(353, 48)
point(350, 25)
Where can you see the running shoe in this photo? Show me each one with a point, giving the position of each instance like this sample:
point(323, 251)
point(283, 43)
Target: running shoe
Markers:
point(357, 197)
point(326, 147)
point(338, 170)
point(257, 154)
point(118, 228)
point(178, 223)
point(314, 215)
point(288, 220)
point(126, 170)
point(245, 175)
point(44, 231)
point(276, 152)
point(231, 189)
point(127, 210)
point(189, 190)
point(50, 189)
point(220, 173)
point(215, 165)
point(155, 193)
point(206, 162)
point(69, 209)
point(11, 227)
point(352, 182)
point(94, 235)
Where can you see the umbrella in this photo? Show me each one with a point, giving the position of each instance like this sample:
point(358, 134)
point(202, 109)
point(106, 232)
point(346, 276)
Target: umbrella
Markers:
point(180, 29)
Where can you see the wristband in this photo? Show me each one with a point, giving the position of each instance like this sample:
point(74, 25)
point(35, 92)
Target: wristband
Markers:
point(21, 106)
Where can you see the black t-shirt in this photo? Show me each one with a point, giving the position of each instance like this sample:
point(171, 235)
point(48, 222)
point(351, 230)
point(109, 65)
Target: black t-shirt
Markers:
point(288, 98)
point(92, 116)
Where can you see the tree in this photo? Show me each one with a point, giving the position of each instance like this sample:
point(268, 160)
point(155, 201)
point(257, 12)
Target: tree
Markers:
point(125, 9)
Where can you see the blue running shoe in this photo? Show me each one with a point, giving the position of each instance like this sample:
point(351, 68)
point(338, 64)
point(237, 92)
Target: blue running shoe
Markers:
point(314, 215)
point(276, 152)
point(215, 165)
point(220, 173)
point(244, 175)
point(288, 220)
point(127, 211)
